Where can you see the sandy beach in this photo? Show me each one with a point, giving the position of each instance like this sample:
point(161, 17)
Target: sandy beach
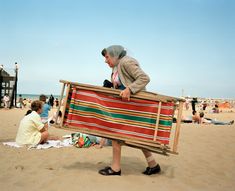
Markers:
point(206, 161)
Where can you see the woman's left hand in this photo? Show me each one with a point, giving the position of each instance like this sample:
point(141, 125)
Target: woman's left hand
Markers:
point(126, 94)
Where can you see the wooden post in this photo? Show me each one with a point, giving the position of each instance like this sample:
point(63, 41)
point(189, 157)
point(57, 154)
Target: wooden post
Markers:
point(60, 101)
point(157, 121)
point(140, 95)
point(1, 87)
point(16, 82)
point(177, 129)
point(65, 102)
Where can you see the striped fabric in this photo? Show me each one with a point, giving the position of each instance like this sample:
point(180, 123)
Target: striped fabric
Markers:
point(107, 113)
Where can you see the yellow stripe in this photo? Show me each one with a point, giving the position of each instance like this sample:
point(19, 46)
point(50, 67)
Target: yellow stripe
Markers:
point(166, 118)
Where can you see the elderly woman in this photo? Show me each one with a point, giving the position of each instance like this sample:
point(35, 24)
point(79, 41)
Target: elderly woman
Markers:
point(130, 78)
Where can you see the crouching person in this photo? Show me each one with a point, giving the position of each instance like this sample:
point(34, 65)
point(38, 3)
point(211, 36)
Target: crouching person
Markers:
point(31, 130)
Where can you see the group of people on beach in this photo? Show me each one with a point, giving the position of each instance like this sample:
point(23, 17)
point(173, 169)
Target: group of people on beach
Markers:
point(127, 76)
point(212, 106)
point(201, 119)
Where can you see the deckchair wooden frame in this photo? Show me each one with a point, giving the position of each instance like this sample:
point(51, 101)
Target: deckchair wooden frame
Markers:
point(153, 145)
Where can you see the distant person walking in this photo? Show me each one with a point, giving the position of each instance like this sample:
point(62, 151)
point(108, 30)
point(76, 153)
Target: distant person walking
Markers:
point(187, 103)
point(51, 100)
point(193, 102)
point(204, 105)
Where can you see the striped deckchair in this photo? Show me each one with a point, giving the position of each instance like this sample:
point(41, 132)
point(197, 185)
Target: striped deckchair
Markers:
point(144, 122)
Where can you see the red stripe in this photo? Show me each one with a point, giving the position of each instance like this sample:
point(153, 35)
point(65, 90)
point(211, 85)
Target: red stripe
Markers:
point(81, 126)
point(110, 124)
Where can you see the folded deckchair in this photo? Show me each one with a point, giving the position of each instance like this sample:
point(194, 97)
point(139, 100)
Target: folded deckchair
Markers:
point(143, 122)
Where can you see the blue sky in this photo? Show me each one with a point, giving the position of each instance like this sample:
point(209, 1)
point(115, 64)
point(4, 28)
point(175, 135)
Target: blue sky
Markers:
point(186, 46)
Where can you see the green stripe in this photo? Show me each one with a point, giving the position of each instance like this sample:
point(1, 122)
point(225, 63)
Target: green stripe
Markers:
point(114, 115)
point(166, 123)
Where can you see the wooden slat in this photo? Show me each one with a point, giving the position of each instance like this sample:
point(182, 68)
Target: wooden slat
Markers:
point(7, 88)
point(8, 78)
point(65, 103)
point(141, 95)
point(111, 135)
point(149, 148)
point(177, 129)
point(157, 121)
point(156, 147)
point(60, 103)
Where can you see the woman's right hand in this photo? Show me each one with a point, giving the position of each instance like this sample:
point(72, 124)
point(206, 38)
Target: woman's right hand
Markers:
point(126, 94)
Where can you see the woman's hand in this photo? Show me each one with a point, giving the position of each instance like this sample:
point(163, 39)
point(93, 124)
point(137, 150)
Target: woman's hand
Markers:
point(126, 94)
point(45, 128)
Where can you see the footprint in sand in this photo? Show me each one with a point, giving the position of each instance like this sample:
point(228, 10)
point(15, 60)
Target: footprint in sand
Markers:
point(19, 167)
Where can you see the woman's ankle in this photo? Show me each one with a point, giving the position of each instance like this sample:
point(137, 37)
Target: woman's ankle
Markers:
point(115, 168)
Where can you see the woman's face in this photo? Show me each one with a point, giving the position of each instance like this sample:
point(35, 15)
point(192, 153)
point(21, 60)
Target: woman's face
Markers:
point(110, 60)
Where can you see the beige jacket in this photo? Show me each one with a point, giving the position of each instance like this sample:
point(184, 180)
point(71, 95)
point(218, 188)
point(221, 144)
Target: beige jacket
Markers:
point(131, 75)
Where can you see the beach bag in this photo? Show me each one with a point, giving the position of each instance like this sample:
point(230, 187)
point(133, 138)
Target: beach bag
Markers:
point(81, 140)
point(107, 84)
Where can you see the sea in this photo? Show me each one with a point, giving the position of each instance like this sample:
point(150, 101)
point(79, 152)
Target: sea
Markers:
point(35, 96)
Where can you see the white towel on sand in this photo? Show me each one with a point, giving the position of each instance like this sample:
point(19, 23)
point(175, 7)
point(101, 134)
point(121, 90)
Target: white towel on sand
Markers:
point(48, 144)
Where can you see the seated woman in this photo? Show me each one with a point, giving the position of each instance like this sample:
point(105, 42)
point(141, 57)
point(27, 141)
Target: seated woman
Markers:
point(31, 130)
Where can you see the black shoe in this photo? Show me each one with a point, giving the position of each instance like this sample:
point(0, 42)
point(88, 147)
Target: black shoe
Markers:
point(153, 170)
point(107, 171)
